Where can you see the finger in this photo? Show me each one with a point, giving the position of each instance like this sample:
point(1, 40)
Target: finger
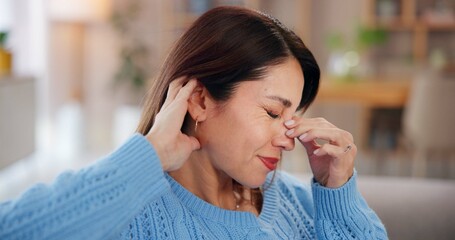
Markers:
point(335, 136)
point(310, 146)
point(195, 144)
point(186, 91)
point(297, 121)
point(332, 150)
point(173, 89)
point(297, 127)
point(180, 104)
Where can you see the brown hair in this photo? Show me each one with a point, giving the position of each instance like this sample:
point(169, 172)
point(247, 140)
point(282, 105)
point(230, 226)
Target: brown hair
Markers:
point(223, 47)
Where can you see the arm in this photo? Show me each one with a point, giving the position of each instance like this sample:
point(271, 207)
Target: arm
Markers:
point(342, 213)
point(93, 203)
point(99, 201)
point(340, 210)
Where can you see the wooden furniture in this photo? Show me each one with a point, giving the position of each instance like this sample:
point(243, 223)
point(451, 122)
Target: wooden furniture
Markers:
point(17, 119)
point(374, 92)
point(178, 15)
point(411, 16)
point(369, 94)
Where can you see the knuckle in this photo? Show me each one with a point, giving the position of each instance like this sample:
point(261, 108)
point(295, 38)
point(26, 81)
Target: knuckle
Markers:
point(354, 148)
point(324, 123)
point(311, 133)
point(326, 147)
point(338, 135)
point(320, 120)
point(347, 135)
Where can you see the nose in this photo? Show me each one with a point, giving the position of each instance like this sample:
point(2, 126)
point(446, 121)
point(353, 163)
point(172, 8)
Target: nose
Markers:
point(282, 141)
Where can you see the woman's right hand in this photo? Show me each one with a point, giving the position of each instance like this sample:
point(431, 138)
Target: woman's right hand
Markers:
point(172, 146)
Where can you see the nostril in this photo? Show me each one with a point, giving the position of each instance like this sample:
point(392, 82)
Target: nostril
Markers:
point(283, 141)
point(291, 147)
point(289, 144)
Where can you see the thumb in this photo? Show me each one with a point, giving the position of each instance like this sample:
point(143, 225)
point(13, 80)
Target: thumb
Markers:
point(195, 145)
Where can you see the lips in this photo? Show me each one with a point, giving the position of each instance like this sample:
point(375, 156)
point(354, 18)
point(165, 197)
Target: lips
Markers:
point(270, 162)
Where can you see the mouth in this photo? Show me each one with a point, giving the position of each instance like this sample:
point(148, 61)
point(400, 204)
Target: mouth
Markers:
point(270, 162)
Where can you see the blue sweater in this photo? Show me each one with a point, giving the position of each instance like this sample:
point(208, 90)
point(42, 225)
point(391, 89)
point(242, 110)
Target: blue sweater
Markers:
point(128, 196)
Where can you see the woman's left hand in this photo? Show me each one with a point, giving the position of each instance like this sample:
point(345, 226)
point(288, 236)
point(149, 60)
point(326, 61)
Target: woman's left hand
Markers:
point(332, 162)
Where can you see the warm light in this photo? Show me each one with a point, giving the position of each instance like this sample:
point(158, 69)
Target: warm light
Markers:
point(6, 15)
point(351, 59)
point(79, 10)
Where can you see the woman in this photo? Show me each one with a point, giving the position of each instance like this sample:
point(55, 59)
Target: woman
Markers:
point(203, 164)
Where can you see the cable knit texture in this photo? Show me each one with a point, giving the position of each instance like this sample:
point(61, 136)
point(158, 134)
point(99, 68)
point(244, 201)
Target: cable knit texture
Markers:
point(128, 196)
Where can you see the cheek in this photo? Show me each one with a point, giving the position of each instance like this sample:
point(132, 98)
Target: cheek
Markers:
point(248, 133)
point(257, 135)
point(238, 135)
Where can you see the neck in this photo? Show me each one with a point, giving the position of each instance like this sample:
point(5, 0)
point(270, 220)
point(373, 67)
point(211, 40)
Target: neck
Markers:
point(199, 176)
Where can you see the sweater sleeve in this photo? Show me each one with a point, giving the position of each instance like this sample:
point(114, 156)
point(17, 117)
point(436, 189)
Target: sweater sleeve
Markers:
point(94, 203)
point(343, 213)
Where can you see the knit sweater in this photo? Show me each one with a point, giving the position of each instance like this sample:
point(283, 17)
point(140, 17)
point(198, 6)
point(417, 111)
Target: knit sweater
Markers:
point(127, 195)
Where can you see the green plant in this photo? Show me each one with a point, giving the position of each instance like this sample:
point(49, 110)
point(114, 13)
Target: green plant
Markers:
point(130, 70)
point(335, 41)
point(370, 37)
point(366, 38)
point(3, 38)
point(134, 53)
point(351, 59)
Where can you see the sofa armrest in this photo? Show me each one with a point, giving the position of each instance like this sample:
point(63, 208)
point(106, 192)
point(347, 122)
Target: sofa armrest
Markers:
point(410, 208)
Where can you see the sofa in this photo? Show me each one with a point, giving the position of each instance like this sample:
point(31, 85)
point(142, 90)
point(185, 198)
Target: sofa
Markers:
point(410, 208)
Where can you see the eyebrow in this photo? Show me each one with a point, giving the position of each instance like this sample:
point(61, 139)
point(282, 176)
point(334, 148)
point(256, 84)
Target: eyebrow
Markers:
point(286, 102)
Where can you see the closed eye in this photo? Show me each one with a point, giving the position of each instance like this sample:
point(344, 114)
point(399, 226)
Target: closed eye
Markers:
point(273, 115)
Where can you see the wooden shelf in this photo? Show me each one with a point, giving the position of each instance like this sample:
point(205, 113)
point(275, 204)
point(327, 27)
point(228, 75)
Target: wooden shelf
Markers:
point(398, 25)
point(179, 15)
point(394, 26)
point(374, 92)
point(439, 26)
point(407, 19)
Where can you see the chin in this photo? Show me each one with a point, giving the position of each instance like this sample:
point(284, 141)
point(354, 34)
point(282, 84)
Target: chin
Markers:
point(255, 182)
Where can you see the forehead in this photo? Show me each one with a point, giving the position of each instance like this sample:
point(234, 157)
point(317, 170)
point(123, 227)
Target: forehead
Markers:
point(284, 80)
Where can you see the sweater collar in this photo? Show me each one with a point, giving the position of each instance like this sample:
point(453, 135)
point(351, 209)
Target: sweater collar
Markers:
point(229, 217)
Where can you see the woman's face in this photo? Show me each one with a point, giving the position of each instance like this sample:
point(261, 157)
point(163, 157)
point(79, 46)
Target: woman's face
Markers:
point(245, 139)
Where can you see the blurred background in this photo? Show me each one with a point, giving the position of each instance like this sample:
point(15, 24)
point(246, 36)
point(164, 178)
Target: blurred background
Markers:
point(73, 74)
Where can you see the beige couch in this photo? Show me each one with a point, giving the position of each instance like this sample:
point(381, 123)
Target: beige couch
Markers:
point(17, 119)
point(411, 208)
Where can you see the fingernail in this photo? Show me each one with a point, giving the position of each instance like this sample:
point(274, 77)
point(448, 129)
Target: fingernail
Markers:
point(303, 136)
point(289, 132)
point(316, 151)
point(289, 122)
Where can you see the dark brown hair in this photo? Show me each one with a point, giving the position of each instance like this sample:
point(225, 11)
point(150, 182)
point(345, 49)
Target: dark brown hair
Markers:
point(225, 46)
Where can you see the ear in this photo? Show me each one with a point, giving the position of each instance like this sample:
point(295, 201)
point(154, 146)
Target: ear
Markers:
point(199, 103)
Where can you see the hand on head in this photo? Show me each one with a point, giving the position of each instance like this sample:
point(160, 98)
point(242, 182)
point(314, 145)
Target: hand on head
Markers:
point(332, 163)
point(172, 146)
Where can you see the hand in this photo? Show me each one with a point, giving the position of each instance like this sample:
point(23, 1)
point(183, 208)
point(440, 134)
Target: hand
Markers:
point(332, 163)
point(172, 146)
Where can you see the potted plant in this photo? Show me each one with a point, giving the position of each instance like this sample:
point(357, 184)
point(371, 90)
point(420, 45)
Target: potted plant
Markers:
point(5, 56)
point(348, 61)
point(130, 79)
point(133, 71)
